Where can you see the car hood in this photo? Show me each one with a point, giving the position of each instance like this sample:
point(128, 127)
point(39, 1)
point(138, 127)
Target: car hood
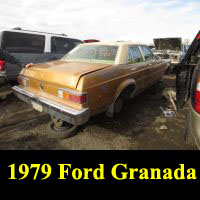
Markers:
point(173, 44)
point(62, 73)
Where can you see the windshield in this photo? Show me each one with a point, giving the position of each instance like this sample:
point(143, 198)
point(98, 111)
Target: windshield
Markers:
point(93, 53)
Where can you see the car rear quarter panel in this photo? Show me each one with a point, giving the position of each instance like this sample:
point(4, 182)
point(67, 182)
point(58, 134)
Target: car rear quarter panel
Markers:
point(104, 86)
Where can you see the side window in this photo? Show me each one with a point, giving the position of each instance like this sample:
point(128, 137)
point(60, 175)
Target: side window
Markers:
point(59, 45)
point(147, 53)
point(75, 42)
point(136, 55)
point(15, 42)
point(130, 59)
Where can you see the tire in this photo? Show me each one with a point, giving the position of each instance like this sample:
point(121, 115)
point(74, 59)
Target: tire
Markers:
point(168, 71)
point(119, 104)
point(61, 134)
point(189, 137)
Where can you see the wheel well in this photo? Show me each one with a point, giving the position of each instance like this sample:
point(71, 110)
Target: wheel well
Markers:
point(128, 92)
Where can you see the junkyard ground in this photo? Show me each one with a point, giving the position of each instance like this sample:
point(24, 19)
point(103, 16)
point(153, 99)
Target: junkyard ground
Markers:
point(141, 125)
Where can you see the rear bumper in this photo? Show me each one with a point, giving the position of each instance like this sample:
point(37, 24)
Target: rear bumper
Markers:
point(3, 73)
point(76, 117)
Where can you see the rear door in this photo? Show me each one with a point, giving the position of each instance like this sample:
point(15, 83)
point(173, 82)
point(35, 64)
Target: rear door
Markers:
point(25, 47)
point(137, 66)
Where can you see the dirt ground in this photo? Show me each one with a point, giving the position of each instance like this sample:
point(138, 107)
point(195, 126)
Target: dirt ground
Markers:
point(142, 125)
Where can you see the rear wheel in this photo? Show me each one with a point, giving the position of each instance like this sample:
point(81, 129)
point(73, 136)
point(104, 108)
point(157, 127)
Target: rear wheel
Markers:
point(119, 104)
point(60, 129)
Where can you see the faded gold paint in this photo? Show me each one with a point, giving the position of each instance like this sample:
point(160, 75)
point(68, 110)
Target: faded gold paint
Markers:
point(102, 82)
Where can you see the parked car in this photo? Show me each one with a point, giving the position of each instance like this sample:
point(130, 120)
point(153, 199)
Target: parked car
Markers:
point(32, 47)
point(91, 79)
point(152, 47)
point(188, 87)
point(192, 133)
point(170, 48)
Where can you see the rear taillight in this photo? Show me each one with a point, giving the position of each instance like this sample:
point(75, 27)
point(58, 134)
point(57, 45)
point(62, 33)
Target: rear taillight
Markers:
point(2, 65)
point(198, 37)
point(197, 97)
point(80, 98)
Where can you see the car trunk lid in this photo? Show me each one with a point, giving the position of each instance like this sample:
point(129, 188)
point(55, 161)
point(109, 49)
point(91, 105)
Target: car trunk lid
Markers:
point(62, 73)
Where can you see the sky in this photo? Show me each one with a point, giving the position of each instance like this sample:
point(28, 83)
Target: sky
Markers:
point(106, 20)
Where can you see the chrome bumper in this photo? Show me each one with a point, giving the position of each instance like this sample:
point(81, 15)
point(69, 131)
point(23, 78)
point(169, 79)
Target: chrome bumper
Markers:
point(2, 78)
point(2, 74)
point(76, 117)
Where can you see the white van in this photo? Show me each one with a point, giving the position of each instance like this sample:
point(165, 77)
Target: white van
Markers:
point(32, 47)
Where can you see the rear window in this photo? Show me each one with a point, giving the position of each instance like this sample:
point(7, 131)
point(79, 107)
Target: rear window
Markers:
point(93, 53)
point(60, 45)
point(75, 42)
point(23, 42)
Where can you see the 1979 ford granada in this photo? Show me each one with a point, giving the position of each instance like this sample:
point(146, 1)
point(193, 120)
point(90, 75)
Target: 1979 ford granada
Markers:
point(91, 79)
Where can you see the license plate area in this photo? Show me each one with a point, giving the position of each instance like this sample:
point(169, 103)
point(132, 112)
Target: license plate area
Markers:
point(37, 106)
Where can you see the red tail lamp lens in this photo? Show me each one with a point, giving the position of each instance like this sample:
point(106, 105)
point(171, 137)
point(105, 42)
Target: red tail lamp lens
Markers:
point(2, 65)
point(197, 98)
point(78, 99)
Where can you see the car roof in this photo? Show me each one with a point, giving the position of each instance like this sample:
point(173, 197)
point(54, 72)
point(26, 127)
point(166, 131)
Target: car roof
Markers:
point(115, 43)
point(37, 33)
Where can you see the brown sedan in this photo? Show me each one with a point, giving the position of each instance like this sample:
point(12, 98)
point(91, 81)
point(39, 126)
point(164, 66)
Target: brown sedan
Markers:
point(91, 79)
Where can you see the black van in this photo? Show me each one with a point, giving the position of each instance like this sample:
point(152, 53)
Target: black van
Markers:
point(32, 47)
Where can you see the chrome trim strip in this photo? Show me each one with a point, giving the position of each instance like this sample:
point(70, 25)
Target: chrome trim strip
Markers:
point(2, 73)
point(17, 89)
point(72, 91)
